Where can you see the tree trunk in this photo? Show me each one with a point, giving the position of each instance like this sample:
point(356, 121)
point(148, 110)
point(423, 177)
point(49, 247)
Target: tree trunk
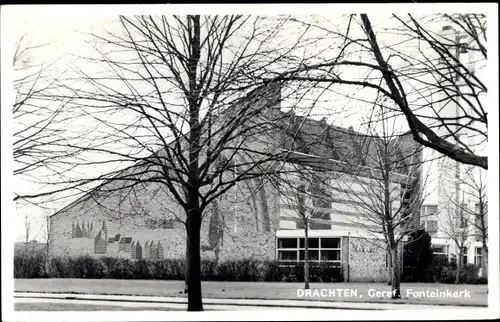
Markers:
point(47, 247)
point(306, 257)
point(484, 260)
point(193, 263)
point(194, 209)
point(396, 277)
point(186, 273)
point(459, 266)
point(389, 268)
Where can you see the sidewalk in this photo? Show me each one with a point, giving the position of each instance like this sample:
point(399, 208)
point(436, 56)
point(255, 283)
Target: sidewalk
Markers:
point(234, 302)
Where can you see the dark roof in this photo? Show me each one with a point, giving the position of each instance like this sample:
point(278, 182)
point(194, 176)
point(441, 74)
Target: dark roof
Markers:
point(317, 138)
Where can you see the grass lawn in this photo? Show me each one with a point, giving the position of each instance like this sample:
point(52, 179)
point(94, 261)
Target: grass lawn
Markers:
point(254, 290)
point(81, 307)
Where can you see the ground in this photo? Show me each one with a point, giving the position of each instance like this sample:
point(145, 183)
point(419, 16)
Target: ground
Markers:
point(255, 290)
point(79, 307)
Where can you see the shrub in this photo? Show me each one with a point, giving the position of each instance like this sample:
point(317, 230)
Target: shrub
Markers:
point(86, 267)
point(271, 271)
point(122, 269)
point(208, 269)
point(143, 270)
point(447, 276)
point(30, 264)
point(58, 267)
point(468, 275)
point(108, 263)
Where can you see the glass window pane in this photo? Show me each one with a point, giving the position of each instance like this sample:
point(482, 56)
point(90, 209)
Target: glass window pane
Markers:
point(330, 255)
point(478, 250)
point(287, 243)
point(432, 227)
point(431, 209)
point(437, 249)
point(313, 242)
point(313, 255)
point(330, 242)
point(287, 255)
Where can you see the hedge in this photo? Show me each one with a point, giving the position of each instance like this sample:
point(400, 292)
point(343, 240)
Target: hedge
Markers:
point(35, 265)
point(247, 270)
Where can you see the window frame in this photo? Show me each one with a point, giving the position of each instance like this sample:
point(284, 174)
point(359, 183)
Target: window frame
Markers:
point(426, 226)
point(465, 258)
point(478, 257)
point(298, 249)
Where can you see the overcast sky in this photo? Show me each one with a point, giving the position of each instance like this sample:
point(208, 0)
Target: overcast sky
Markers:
point(65, 31)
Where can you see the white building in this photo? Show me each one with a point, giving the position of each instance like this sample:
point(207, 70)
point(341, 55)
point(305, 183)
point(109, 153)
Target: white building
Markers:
point(448, 191)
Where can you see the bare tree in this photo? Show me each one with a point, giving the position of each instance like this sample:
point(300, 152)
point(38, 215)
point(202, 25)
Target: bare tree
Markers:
point(296, 194)
point(478, 190)
point(419, 66)
point(466, 216)
point(176, 98)
point(456, 225)
point(40, 125)
point(387, 191)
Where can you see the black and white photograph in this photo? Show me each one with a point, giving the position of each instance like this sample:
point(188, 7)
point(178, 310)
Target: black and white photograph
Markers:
point(249, 162)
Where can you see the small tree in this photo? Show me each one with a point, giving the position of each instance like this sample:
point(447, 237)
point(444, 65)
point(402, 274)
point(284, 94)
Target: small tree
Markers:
point(457, 226)
point(296, 195)
point(471, 209)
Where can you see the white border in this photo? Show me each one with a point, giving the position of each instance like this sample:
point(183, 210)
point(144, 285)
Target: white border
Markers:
point(10, 12)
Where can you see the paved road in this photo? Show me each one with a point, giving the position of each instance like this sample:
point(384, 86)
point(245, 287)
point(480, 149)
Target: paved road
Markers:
point(73, 301)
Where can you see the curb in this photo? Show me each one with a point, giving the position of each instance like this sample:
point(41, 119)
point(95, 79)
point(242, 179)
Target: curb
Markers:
point(231, 302)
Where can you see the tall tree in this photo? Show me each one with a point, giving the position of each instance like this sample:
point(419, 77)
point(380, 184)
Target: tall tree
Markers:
point(387, 191)
point(175, 98)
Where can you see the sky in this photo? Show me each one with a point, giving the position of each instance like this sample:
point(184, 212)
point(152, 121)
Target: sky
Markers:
point(65, 31)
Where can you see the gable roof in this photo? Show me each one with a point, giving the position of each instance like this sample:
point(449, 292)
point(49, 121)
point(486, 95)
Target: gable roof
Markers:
point(299, 133)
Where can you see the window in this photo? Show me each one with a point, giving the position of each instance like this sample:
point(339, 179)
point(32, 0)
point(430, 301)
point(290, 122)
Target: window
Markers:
point(463, 220)
point(464, 256)
point(312, 242)
point(313, 254)
point(440, 249)
point(330, 242)
point(431, 226)
point(429, 210)
point(287, 243)
point(287, 255)
point(478, 254)
point(319, 249)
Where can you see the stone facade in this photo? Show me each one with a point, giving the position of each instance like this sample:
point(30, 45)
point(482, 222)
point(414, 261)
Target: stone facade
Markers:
point(241, 232)
point(367, 260)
